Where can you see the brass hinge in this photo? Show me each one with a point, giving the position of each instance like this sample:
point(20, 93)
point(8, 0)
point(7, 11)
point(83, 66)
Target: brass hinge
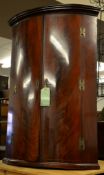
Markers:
point(81, 144)
point(82, 32)
point(81, 85)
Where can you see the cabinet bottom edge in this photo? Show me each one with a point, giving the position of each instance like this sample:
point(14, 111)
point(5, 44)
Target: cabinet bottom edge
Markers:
point(52, 165)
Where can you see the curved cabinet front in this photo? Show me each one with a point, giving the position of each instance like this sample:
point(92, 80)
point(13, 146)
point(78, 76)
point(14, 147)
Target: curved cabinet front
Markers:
point(52, 109)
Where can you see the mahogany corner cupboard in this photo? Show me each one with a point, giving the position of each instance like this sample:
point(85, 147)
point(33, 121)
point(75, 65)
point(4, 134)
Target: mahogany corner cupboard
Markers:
point(52, 121)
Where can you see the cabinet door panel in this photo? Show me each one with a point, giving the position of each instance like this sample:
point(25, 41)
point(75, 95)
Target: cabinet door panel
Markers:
point(60, 122)
point(24, 106)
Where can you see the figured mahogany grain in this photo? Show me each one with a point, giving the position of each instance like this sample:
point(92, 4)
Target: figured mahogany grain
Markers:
point(49, 50)
point(24, 106)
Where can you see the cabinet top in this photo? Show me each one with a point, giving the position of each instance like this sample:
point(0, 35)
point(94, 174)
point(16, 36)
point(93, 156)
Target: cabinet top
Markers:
point(69, 8)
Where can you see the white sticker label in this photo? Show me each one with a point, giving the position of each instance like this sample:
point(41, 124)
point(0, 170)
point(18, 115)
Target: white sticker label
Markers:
point(45, 96)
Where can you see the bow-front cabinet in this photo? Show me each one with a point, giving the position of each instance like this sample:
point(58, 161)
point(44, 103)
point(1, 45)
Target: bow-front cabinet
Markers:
point(52, 119)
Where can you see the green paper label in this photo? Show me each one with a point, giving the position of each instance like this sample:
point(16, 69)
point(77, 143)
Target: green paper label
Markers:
point(45, 97)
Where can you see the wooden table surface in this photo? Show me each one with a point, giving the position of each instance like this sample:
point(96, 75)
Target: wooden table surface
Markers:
point(14, 170)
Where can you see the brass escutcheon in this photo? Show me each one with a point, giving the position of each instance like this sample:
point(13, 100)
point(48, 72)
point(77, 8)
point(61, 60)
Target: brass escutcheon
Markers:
point(82, 32)
point(15, 89)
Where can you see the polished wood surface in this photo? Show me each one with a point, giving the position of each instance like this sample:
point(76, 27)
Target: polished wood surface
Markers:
point(57, 51)
point(71, 112)
point(24, 110)
point(14, 170)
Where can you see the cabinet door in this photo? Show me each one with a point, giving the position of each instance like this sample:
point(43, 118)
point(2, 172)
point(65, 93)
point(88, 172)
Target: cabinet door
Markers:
point(88, 44)
point(60, 122)
point(24, 105)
